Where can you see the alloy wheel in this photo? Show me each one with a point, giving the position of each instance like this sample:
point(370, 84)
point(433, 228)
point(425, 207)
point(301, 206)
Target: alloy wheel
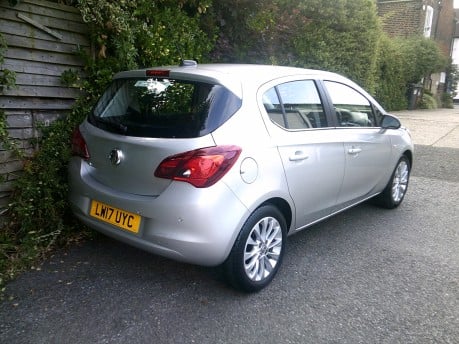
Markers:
point(263, 249)
point(400, 181)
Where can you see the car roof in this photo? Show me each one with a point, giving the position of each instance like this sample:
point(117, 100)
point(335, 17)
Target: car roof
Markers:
point(257, 72)
point(235, 76)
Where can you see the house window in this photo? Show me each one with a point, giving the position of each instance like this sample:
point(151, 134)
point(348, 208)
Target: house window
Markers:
point(428, 21)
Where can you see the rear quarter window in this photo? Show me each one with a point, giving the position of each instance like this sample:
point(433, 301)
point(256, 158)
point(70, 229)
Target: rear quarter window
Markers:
point(152, 107)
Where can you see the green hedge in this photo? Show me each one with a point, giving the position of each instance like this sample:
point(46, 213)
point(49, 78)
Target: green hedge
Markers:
point(343, 36)
point(336, 35)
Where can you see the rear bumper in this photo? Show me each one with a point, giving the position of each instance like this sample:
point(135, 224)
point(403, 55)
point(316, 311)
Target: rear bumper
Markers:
point(184, 223)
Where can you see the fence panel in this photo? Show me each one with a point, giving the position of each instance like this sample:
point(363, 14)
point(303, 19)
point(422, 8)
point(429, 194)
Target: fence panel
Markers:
point(43, 41)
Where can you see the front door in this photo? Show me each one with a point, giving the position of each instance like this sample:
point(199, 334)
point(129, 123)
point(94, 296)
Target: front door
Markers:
point(367, 148)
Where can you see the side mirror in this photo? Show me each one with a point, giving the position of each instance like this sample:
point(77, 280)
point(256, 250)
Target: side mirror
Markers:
point(390, 122)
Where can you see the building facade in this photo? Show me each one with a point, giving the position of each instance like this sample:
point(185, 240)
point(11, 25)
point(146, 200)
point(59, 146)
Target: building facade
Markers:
point(434, 19)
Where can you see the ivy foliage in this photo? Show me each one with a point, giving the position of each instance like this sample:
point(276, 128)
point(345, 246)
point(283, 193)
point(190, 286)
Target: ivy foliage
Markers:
point(7, 80)
point(7, 77)
point(142, 33)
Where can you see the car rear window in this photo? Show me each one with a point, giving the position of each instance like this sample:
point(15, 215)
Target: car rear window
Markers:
point(166, 108)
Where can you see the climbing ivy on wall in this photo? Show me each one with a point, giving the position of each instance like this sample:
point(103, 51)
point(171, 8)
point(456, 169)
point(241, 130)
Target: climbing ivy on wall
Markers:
point(7, 80)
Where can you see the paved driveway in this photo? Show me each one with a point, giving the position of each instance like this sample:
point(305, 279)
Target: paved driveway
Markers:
point(368, 275)
point(436, 128)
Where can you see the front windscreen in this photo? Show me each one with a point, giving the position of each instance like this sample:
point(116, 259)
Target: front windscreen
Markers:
point(154, 107)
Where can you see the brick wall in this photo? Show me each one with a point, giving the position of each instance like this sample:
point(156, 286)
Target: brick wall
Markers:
point(402, 18)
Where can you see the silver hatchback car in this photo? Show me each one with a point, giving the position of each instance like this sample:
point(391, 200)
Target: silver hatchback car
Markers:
point(217, 164)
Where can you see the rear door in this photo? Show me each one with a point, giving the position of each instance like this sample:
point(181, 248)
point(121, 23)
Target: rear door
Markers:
point(367, 148)
point(311, 154)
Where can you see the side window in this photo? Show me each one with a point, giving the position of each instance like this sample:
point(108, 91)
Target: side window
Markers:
point(352, 108)
point(295, 105)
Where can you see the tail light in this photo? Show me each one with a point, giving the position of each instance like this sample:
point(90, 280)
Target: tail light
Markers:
point(201, 167)
point(79, 147)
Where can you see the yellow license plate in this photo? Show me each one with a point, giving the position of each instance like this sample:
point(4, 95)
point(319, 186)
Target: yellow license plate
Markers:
point(117, 217)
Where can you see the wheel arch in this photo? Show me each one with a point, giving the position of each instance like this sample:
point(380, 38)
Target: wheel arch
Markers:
point(409, 156)
point(283, 207)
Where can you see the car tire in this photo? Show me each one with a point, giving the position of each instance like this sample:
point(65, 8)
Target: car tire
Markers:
point(395, 190)
point(258, 250)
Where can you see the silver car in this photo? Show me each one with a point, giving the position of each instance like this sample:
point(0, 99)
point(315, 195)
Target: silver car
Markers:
point(217, 164)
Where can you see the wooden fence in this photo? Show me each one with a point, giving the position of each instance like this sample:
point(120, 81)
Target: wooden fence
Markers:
point(43, 38)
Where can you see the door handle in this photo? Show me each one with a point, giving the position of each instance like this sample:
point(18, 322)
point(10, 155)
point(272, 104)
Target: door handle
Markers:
point(298, 156)
point(354, 150)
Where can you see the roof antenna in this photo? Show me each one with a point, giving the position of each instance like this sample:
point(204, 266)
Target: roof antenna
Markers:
point(183, 62)
point(188, 63)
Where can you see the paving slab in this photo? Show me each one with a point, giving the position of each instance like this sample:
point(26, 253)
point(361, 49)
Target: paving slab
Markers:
point(437, 128)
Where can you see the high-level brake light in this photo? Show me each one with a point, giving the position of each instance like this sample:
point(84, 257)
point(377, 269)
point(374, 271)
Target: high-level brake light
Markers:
point(161, 73)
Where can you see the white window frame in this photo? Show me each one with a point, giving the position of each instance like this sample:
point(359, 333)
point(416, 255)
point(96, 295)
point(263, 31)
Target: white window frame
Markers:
point(428, 21)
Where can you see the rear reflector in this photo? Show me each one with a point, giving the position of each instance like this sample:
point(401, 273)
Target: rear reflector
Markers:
point(79, 147)
point(157, 72)
point(201, 167)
